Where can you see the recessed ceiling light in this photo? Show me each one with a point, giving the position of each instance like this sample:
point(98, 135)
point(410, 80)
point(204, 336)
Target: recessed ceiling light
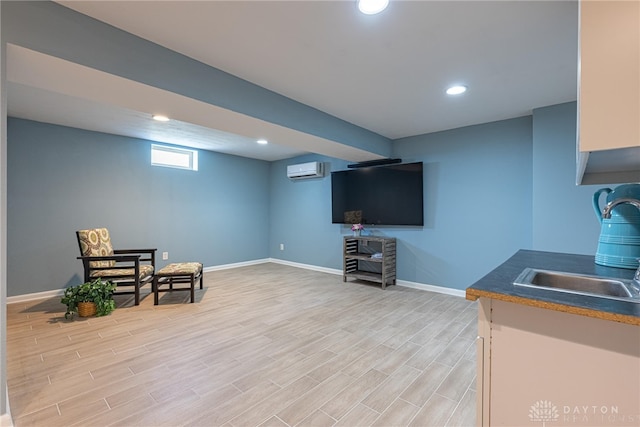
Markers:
point(456, 90)
point(160, 118)
point(371, 7)
point(262, 141)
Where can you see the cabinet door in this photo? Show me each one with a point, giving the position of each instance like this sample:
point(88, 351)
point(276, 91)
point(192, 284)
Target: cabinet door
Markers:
point(562, 369)
point(483, 356)
point(609, 70)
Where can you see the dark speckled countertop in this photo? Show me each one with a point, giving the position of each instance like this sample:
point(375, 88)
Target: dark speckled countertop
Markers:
point(498, 284)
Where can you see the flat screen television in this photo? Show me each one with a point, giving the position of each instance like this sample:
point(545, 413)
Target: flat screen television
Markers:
point(380, 195)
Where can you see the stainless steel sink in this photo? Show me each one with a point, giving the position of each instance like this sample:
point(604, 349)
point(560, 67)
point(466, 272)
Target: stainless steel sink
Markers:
point(619, 289)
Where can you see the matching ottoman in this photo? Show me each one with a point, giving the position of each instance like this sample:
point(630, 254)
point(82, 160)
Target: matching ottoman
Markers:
point(177, 273)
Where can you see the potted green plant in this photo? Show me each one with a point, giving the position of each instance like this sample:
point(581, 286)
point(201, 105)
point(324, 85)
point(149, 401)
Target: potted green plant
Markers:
point(98, 292)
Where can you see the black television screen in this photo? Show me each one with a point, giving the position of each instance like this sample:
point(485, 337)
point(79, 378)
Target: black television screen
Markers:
point(383, 195)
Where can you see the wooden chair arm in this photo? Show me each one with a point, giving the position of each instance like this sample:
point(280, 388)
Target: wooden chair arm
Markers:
point(121, 258)
point(133, 251)
point(151, 254)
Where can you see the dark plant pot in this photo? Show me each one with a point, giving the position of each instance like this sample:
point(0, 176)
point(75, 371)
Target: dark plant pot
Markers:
point(87, 309)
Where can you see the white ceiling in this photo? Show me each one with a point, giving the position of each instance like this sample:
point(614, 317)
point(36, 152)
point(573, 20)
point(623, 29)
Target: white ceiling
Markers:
point(386, 73)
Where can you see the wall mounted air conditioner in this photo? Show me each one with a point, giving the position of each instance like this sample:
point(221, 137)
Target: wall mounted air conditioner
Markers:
point(305, 170)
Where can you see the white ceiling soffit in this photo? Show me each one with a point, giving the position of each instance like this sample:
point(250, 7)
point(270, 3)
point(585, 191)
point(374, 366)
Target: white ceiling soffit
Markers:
point(52, 90)
point(386, 72)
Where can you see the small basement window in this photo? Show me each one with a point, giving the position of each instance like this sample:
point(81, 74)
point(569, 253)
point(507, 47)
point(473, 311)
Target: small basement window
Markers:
point(172, 157)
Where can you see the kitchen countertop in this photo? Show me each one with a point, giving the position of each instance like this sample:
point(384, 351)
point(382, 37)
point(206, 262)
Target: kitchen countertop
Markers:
point(498, 284)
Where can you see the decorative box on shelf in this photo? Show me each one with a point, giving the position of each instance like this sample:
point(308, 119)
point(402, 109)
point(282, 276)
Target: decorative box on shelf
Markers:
point(371, 258)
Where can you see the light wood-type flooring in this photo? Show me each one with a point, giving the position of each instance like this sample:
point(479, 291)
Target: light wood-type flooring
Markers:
point(263, 345)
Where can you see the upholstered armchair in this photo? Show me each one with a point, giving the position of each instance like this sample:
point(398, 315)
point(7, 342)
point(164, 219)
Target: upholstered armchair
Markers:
point(130, 268)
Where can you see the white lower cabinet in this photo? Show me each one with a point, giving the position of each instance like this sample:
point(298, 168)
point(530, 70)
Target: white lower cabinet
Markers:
point(548, 368)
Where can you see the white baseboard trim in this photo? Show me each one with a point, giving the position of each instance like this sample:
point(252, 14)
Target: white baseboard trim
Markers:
point(432, 288)
point(60, 292)
point(405, 283)
point(34, 296)
point(306, 266)
point(236, 265)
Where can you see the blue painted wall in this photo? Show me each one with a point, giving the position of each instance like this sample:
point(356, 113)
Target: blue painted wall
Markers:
point(477, 201)
point(563, 219)
point(301, 215)
point(477, 206)
point(490, 190)
point(62, 179)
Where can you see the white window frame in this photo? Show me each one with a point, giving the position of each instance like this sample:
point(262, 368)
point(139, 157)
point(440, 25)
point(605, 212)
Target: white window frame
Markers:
point(183, 158)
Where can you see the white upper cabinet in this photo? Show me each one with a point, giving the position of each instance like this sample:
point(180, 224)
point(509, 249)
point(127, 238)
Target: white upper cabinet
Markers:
point(609, 92)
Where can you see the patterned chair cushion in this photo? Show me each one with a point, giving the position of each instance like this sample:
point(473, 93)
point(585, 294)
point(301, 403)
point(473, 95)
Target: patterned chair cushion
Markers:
point(96, 242)
point(180, 268)
point(145, 270)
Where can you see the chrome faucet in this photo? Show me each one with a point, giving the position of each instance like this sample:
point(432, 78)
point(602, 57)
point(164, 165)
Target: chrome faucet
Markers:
point(635, 283)
point(606, 212)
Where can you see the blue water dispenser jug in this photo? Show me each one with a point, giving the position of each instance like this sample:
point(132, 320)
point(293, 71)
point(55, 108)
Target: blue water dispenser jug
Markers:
point(619, 242)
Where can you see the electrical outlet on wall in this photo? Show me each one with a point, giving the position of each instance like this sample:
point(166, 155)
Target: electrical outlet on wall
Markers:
point(282, 246)
point(165, 255)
